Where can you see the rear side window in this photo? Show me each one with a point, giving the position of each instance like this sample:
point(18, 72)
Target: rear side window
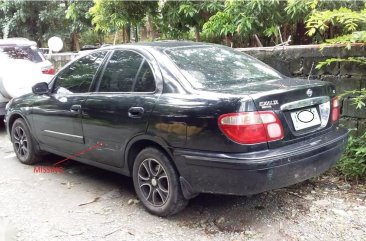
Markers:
point(77, 78)
point(145, 81)
point(22, 52)
point(127, 71)
point(218, 68)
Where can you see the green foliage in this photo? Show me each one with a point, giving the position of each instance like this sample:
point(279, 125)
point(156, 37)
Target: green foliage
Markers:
point(91, 37)
point(220, 25)
point(115, 15)
point(343, 17)
point(359, 99)
point(247, 17)
point(356, 60)
point(41, 20)
point(347, 39)
point(244, 18)
point(106, 16)
point(234, 20)
point(352, 24)
point(353, 162)
point(299, 9)
point(34, 20)
point(79, 16)
point(178, 17)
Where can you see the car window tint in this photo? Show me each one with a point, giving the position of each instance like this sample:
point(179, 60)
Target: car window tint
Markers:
point(217, 68)
point(120, 72)
point(145, 81)
point(78, 77)
point(22, 52)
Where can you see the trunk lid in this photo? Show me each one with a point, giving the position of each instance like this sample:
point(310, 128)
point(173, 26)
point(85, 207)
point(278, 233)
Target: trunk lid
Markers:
point(291, 99)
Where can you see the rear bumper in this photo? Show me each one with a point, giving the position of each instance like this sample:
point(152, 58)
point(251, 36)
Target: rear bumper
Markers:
point(251, 173)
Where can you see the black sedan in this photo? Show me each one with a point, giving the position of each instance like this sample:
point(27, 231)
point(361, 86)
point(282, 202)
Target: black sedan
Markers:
point(181, 118)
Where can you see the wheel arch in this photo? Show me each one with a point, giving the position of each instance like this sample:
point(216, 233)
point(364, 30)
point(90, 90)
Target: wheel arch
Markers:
point(139, 143)
point(13, 117)
point(10, 122)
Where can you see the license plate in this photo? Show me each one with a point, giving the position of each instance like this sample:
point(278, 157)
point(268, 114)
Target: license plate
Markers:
point(305, 118)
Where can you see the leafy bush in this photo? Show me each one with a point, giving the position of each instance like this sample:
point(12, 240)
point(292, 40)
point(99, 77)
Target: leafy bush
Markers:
point(353, 162)
point(353, 24)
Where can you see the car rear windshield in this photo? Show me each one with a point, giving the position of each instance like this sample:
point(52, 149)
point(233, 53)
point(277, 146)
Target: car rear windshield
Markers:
point(22, 52)
point(215, 68)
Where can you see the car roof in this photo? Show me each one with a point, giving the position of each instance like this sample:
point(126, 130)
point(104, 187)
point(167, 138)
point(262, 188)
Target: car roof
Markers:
point(17, 42)
point(161, 45)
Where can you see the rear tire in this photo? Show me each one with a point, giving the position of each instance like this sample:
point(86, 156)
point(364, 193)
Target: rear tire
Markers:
point(157, 183)
point(23, 144)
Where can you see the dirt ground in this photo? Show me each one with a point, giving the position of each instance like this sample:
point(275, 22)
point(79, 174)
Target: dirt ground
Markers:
point(86, 203)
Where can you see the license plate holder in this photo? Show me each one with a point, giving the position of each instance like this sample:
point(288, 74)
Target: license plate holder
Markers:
point(305, 118)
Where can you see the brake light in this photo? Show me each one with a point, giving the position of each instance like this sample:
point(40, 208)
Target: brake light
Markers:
point(49, 70)
point(251, 127)
point(336, 107)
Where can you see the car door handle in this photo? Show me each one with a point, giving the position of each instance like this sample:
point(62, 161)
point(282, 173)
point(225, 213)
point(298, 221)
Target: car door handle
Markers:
point(136, 112)
point(75, 108)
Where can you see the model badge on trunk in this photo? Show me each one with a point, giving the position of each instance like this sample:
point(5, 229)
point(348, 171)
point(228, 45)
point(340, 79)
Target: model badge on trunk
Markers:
point(268, 104)
point(309, 92)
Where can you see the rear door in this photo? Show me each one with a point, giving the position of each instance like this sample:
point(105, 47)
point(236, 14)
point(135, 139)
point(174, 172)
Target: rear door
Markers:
point(119, 110)
point(57, 117)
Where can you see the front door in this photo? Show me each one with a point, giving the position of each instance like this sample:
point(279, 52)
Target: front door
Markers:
point(57, 117)
point(119, 110)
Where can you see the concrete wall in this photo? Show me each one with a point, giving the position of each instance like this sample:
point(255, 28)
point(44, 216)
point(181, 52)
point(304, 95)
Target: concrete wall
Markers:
point(300, 61)
point(60, 59)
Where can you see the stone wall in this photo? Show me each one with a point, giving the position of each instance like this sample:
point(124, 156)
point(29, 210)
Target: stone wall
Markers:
point(300, 61)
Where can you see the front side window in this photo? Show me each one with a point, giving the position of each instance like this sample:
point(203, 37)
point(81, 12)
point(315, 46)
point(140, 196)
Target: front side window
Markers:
point(127, 71)
point(77, 78)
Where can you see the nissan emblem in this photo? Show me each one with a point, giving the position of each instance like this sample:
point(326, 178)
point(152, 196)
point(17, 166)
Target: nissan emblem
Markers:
point(309, 92)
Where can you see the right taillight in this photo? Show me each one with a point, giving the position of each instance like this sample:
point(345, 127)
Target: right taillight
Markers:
point(251, 127)
point(49, 70)
point(336, 107)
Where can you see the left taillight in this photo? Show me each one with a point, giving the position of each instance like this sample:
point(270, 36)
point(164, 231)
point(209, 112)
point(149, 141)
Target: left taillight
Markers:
point(251, 127)
point(336, 109)
point(49, 70)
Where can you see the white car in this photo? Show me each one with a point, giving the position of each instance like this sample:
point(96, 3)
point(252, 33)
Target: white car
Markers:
point(21, 48)
point(22, 66)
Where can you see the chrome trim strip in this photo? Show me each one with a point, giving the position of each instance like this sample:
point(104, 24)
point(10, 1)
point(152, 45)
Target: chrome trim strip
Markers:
point(63, 134)
point(303, 103)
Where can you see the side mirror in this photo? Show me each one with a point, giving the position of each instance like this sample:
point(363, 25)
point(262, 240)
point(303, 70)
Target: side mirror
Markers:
point(40, 88)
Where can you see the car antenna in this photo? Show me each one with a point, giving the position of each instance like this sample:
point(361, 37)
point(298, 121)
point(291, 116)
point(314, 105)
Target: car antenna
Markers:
point(311, 71)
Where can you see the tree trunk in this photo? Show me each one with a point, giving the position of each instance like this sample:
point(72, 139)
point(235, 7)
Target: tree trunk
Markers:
point(197, 34)
point(259, 43)
point(115, 37)
point(75, 42)
point(128, 30)
point(136, 33)
point(150, 30)
point(124, 34)
point(300, 35)
point(229, 40)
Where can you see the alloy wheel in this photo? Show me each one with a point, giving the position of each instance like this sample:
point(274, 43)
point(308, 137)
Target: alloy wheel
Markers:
point(20, 141)
point(153, 182)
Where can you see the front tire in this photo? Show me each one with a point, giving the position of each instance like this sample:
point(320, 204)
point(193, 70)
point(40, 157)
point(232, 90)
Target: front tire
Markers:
point(157, 183)
point(23, 143)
